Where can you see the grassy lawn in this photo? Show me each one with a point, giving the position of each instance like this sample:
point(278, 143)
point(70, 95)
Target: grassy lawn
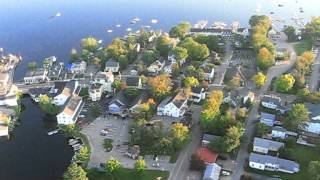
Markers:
point(302, 155)
point(128, 174)
point(302, 46)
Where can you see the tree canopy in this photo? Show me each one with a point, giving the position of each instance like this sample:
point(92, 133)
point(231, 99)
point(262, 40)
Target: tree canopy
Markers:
point(149, 56)
point(160, 85)
point(116, 49)
point(265, 58)
point(140, 165)
point(296, 116)
point(180, 134)
point(232, 138)
point(211, 41)
point(180, 53)
point(259, 79)
point(113, 166)
point(196, 51)
point(83, 154)
point(312, 28)
point(164, 45)
point(75, 172)
point(190, 81)
point(285, 83)
point(90, 44)
point(314, 170)
point(290, 31)
point(181, 30)
point(211, 108)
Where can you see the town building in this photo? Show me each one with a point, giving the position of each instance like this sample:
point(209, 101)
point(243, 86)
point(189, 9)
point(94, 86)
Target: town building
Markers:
point(70, 113)
point(55, 71)
point(282, 53)
point(271, 163)
point(37, 76)
point(197, 94)
point(207, 138)
point(271, 102)
point(172, 59)
point(133, 81)
point(4, 122)
point(77, 67)
point(8, 100)
point(117, 107)
point(105, 79)
point(212, 172)
point(207, 156)
point(264, 145)
point(71, 87)
point(112, 65)
point(208, 72)
point(234, 74)
point(95, 92)
point(156, 67)
point(174, 107)
point(279, 132)
point(267, 119)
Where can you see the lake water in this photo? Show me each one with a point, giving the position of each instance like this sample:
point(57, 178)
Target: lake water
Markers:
point(25, 28)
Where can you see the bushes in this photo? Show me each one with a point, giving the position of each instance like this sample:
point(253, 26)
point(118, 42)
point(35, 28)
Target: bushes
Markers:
point(107, 144)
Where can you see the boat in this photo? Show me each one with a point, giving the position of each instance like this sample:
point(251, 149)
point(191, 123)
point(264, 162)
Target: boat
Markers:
point(147, 26)
point(100, 41)
point(73, 143)
point(70, 140)
point(154, 21)
point(58, 14)
point(280, 5)
point(201, 24)
point(133, 22)
point(128, 29)
point(76, 145)
point(53, 132)
point(138, 32)
point(136, 19)
point(77, 148)
point(301, 10)
point(109, 31)
point(118, 25)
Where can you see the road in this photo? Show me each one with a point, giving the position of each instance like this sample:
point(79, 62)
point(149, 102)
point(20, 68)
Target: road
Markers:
point(181, 168)
point(315, 75)
point(274, 71)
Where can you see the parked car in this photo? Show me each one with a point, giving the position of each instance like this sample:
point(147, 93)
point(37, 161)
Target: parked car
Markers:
point(102, 167)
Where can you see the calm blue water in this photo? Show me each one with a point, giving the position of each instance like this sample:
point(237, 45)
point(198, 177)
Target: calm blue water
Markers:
point(26, 29)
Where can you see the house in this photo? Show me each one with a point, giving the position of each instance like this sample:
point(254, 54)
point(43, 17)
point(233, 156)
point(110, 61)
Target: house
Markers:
point(55, 71)
point(133, 81)
point(206, 155)
point(37, 76)
point(95, 92)
point(314, 111)
point(8, 100)
point(197, 94)
point(4, 79)
point(234, 74)
point(4, 121)
point(168, 67)
point(311, 127)
point(117, 106)
point(174, 107)
point(207, 138)
point(264, 145)
point(105, 79)
point(281, 53)
point(249, 96)
point(77, 67)
point(271, 163)
point(172, 59)
point(212, 172)
point(156, 67)
point(112, 65)
point(279, 132)
point(71, 87)
point(71, 111)
point(208, 72)
point(271, 102)
point(267, 119)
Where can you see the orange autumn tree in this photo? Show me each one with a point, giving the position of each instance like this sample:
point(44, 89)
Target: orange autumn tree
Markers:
point(161, 85)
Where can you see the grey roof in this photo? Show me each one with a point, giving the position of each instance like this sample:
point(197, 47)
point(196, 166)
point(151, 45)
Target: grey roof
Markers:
point(164, 102)
point(95, 86)
point(39, 72)
point(269, 144)
point(71, 85)
point(112, 63)
point(272, 99)
point(132, 80)
point(282, 163)
point(210, 137)
point(197, 89)
point(278, 128)
point(212, 172)
point(74, 102)
point(268, 116)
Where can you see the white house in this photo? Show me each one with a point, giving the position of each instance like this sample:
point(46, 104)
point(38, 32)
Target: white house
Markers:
point(175, 107)
point(4, 78)
point(105, 79)
point(249, 96)
point(279, 132)
point(264, 145)
point(72, 87)
point(208, 73)
point(197, 94)
point(37, 76)
point(78, 67)
point(212, 172)
point(267, 119)
point(271, 102)
point(9, 101)
point(156, 67)
point(95, 92)
point(271, 163)
point(70, 113)
point(112, 65)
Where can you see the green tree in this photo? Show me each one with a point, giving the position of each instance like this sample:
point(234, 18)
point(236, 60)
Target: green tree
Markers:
point(74, 55)
point(313, 28)
point(261, 20)
point(83, 154)
point(75, 172)
point(180, 53)
point(211, 41)
point(32, 65)
point(265, 58)
point(90, 44)
point(285, 83)
point(113, 166)
point(181, 30)
point(232, 138)
point(143, 39)
point(149, 56)
point(131, 92)
point(180, 135)
point(190, 81)
point(123, 61)
point(298, 115)
point(140, 165)
point(47, 105)
point(164, 45)
point(196, 51)
point(116, 49)
point(290, 31)
point(116, 85)
point(160, 85)
point(211, 108)
point(259, 79)
point(314, 170)
point(262, 130)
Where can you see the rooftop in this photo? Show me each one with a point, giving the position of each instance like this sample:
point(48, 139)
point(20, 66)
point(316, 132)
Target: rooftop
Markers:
point(72, 105)
point(268, 116)
point(112, 63)
point(265, 143)
point(206, 155)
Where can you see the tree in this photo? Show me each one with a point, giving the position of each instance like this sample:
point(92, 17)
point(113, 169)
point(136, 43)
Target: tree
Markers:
point(313, 28)
point(285, 83)
point(298, 115)
point(180, 134)
point(123, 61)
point(290, 31)
point(259, 79)
point(160, 85)
point(83, 154)
point(140, 165)
point(314, 170)
point(116, 49)
point(180, 53)
point(116, 85)
point(265, 58)
point(75, 172)
point(149, 56)
point(74, 55)
point(164, 45)
point(32, 65)
point(90, 44)
point(211, 41)
point(261, 20)
point(131, 92)
point(232, 138)
point(113, 166)
point(262, 130)
point(196, 163)
point(211, 108)
point(196, 51)
point(190, 81)
point(47, 105)
point(181, 30)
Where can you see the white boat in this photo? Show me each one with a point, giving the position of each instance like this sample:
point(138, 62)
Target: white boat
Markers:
point(100, 41)
point(128, 29)
point(58, 14)
point(70, 140)
point(136, 19)
point(76, 145)
point(53, 132)
point(118, 25)
point(109, 30)
point(77, 148)
point(73, 143)
point(133, 22)
point(138, 32)
point(147, 27)
point(154, 21)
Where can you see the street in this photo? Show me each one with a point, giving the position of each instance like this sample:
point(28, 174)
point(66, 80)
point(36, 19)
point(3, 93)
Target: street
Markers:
point(315, 75)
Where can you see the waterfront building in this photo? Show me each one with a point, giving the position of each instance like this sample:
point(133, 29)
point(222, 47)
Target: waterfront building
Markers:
point(72, 87)
point(70, 113)
point(112, 65)
point(37, 76)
